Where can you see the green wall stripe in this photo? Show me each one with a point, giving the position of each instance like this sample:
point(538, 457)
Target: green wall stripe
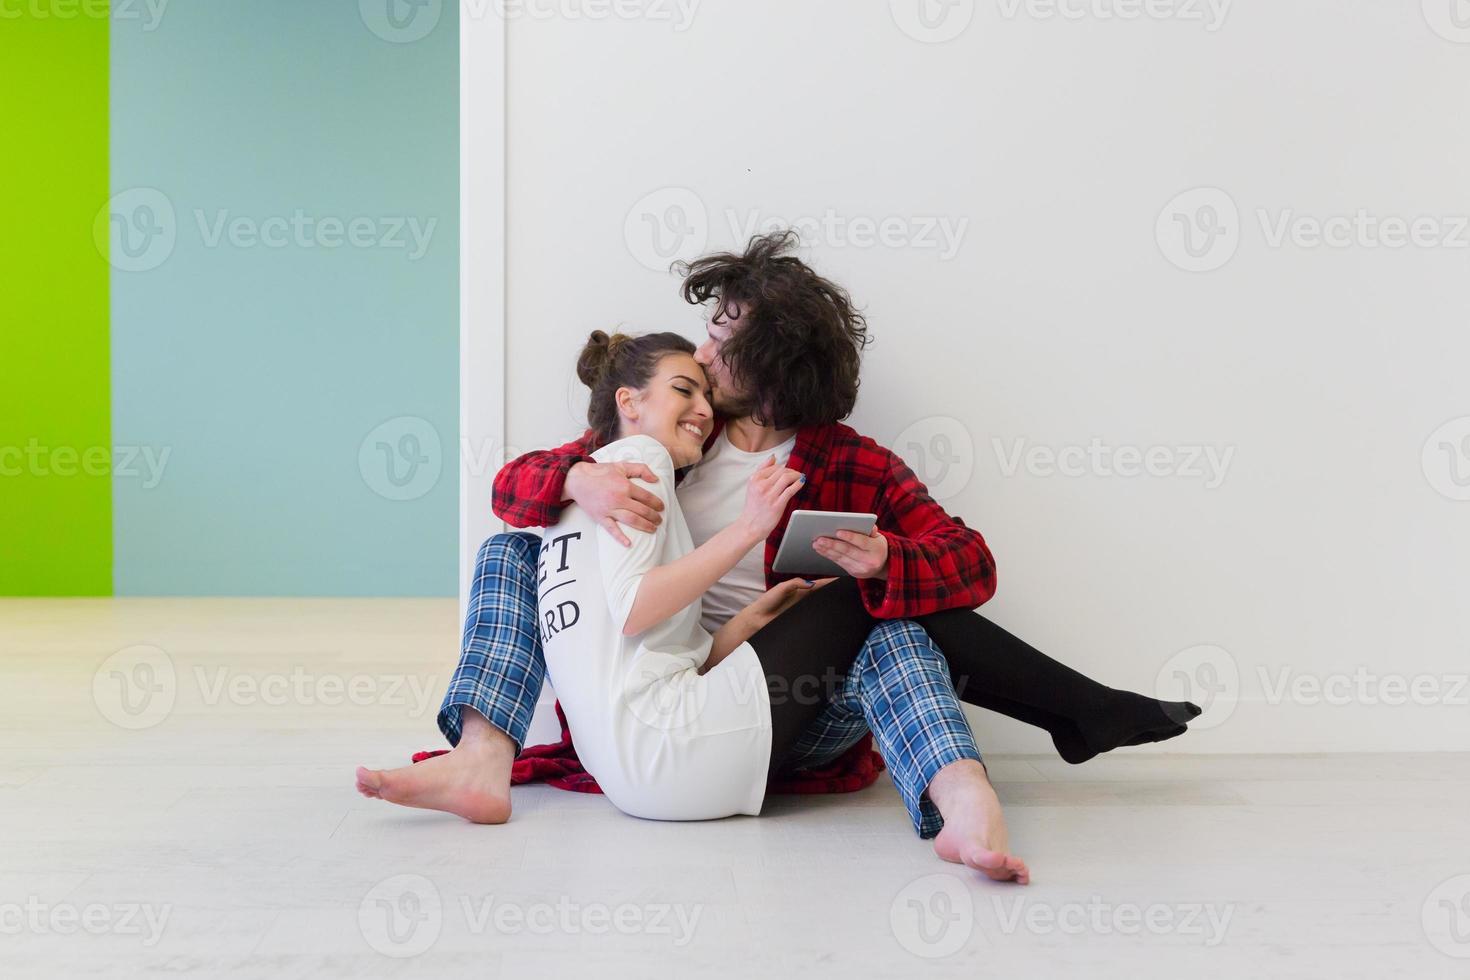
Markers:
point(55, 428)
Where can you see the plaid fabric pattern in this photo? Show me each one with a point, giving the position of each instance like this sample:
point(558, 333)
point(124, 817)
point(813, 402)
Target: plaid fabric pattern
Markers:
point(528, 489)
point(900, 688)
point(501, 666)
point(934, 561)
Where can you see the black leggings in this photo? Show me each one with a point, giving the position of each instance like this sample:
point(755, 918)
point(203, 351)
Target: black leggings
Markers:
point(804, 652)
point(812, 645)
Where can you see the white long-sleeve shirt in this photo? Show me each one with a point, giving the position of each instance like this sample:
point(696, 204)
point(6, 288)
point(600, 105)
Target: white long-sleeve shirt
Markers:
point(662, 741)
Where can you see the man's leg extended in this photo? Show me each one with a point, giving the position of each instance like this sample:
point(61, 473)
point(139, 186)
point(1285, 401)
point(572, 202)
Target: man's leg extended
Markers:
point(491, 697)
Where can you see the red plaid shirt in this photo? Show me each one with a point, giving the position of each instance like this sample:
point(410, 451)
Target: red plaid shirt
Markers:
point(934, 561)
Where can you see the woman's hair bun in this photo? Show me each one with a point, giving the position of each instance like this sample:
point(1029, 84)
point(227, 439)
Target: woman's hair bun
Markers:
point(596, 357)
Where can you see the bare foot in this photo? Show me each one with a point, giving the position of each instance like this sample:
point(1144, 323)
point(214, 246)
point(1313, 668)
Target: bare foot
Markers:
point(472, 781)
point(974, 831)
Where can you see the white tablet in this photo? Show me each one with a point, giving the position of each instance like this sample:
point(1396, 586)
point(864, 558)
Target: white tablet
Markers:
point(796, 555)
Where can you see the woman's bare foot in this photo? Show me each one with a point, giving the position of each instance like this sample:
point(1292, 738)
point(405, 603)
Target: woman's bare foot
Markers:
point(472, 781)
point(974, 831)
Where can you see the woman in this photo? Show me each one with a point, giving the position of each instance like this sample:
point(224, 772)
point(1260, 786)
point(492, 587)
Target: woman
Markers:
point(679, 724)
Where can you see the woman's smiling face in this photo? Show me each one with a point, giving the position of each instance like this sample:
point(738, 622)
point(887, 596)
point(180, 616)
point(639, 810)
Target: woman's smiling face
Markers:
point(673, 408)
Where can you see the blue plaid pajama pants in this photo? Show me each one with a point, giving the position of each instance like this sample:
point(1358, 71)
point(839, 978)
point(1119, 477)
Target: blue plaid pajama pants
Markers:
point(899, 687)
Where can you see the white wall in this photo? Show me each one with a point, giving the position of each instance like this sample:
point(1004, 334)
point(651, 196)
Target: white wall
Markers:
point(481, 281)
point(1054, 145)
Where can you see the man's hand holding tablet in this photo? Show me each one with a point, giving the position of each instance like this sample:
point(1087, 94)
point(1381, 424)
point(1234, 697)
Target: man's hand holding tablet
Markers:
point(821, 542)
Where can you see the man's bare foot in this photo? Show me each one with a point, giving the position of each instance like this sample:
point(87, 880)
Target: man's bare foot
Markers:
point(974, 831)
point(472, 781)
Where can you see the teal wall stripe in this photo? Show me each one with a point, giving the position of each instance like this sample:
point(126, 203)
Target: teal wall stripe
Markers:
point(285, 315)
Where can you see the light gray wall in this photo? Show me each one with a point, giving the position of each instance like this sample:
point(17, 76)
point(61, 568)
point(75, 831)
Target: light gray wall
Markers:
point(1065, 312)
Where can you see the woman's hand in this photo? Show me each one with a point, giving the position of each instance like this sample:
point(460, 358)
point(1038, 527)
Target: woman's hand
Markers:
point(779, 598)
point(754, 617)
point(766, 495)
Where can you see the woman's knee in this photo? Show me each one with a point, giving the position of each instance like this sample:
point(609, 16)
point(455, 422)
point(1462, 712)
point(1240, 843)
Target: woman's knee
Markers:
point(901, 638)
point(514, 547)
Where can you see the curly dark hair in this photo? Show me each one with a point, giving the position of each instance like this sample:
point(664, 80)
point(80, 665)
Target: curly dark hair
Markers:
point(620, 361)
point(797, 355)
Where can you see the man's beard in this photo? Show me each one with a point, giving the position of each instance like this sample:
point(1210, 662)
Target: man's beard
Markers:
point(731, 404)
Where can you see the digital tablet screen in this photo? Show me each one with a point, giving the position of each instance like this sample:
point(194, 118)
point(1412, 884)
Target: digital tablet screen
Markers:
point(796, 556)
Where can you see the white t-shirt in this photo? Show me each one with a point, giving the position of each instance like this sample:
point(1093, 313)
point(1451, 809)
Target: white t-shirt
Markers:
point(712, 496)
point(662, 741)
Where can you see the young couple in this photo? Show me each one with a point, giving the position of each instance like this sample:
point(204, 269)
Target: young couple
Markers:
point(688, 671)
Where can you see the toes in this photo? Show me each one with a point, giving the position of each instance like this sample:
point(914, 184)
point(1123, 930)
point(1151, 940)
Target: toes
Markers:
point(1011, 868)
point(369, 783)
point(998, 866)
point(1181, 712)
point(985, 860)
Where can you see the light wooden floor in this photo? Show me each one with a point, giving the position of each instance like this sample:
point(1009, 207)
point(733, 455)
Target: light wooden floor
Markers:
point(195, 816)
